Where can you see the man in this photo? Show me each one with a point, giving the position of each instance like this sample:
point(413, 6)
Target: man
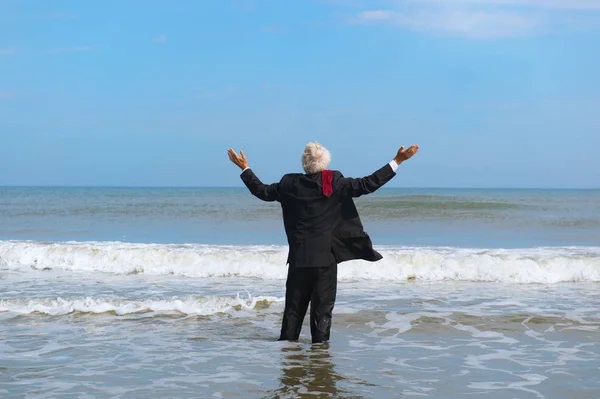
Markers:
point(323, 229)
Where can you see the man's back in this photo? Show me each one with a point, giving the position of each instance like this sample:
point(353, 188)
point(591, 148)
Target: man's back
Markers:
point(321, 230)
point(308, 211)
point(309, 217)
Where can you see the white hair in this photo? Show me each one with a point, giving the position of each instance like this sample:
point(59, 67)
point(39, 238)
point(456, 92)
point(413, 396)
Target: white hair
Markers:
point(315, 158)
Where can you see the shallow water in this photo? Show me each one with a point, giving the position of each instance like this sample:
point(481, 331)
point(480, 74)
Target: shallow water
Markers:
point(445, 339)
point(189, 304)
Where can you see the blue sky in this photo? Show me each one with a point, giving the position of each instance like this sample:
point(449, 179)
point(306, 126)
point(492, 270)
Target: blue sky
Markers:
point(497, 93)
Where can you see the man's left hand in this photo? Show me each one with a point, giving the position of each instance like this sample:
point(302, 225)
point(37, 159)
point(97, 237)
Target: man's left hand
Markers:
point(239, 160)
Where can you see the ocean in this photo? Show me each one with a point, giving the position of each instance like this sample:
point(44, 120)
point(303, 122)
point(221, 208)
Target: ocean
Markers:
point(179, 292)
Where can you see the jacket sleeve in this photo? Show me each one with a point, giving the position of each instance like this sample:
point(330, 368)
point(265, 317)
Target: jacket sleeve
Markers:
point(351, 187)
point(266, 192)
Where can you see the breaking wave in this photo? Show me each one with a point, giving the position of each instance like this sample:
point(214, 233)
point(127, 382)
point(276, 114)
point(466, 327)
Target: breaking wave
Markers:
point(531, 265)
point(203, 306)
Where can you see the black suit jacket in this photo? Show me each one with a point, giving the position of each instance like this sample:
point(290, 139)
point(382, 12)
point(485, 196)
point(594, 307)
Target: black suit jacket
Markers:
point(321, 231)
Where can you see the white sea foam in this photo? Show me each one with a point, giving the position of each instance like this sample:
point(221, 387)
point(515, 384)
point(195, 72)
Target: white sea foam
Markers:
point(204, 306)
point(533, 265)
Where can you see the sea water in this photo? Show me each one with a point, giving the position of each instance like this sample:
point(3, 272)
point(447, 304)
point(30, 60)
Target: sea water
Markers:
point(178, 293)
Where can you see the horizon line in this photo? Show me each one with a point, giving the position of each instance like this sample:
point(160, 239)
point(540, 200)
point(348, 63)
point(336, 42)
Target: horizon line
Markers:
point(243, 187)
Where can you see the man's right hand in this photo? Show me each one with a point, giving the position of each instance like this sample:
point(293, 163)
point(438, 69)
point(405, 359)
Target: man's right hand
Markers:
point(404, 154)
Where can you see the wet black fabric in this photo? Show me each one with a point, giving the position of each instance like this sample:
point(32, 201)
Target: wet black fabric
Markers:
point(321, 230)
point(317, 285)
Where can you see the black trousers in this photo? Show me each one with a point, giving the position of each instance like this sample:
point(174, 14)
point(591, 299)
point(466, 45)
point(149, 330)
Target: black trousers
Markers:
point(317, 285)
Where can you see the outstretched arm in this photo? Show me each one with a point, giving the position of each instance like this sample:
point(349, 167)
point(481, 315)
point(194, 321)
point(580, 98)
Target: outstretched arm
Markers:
point(369, 184)
point(257, 188)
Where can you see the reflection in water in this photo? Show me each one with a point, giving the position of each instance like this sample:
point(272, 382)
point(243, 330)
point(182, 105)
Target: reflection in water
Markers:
point(309, 373)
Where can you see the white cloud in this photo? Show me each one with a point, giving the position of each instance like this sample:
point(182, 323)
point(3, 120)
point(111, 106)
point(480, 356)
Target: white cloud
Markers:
point(162, 39)
point(377, 15)
point(482, 18)
point(465, 23)
point(69, 50)
point(549, 4)
point(8, 51)
point(557, 4)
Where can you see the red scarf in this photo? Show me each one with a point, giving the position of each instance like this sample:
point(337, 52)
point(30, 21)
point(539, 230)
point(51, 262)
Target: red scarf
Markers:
point(326, 179)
